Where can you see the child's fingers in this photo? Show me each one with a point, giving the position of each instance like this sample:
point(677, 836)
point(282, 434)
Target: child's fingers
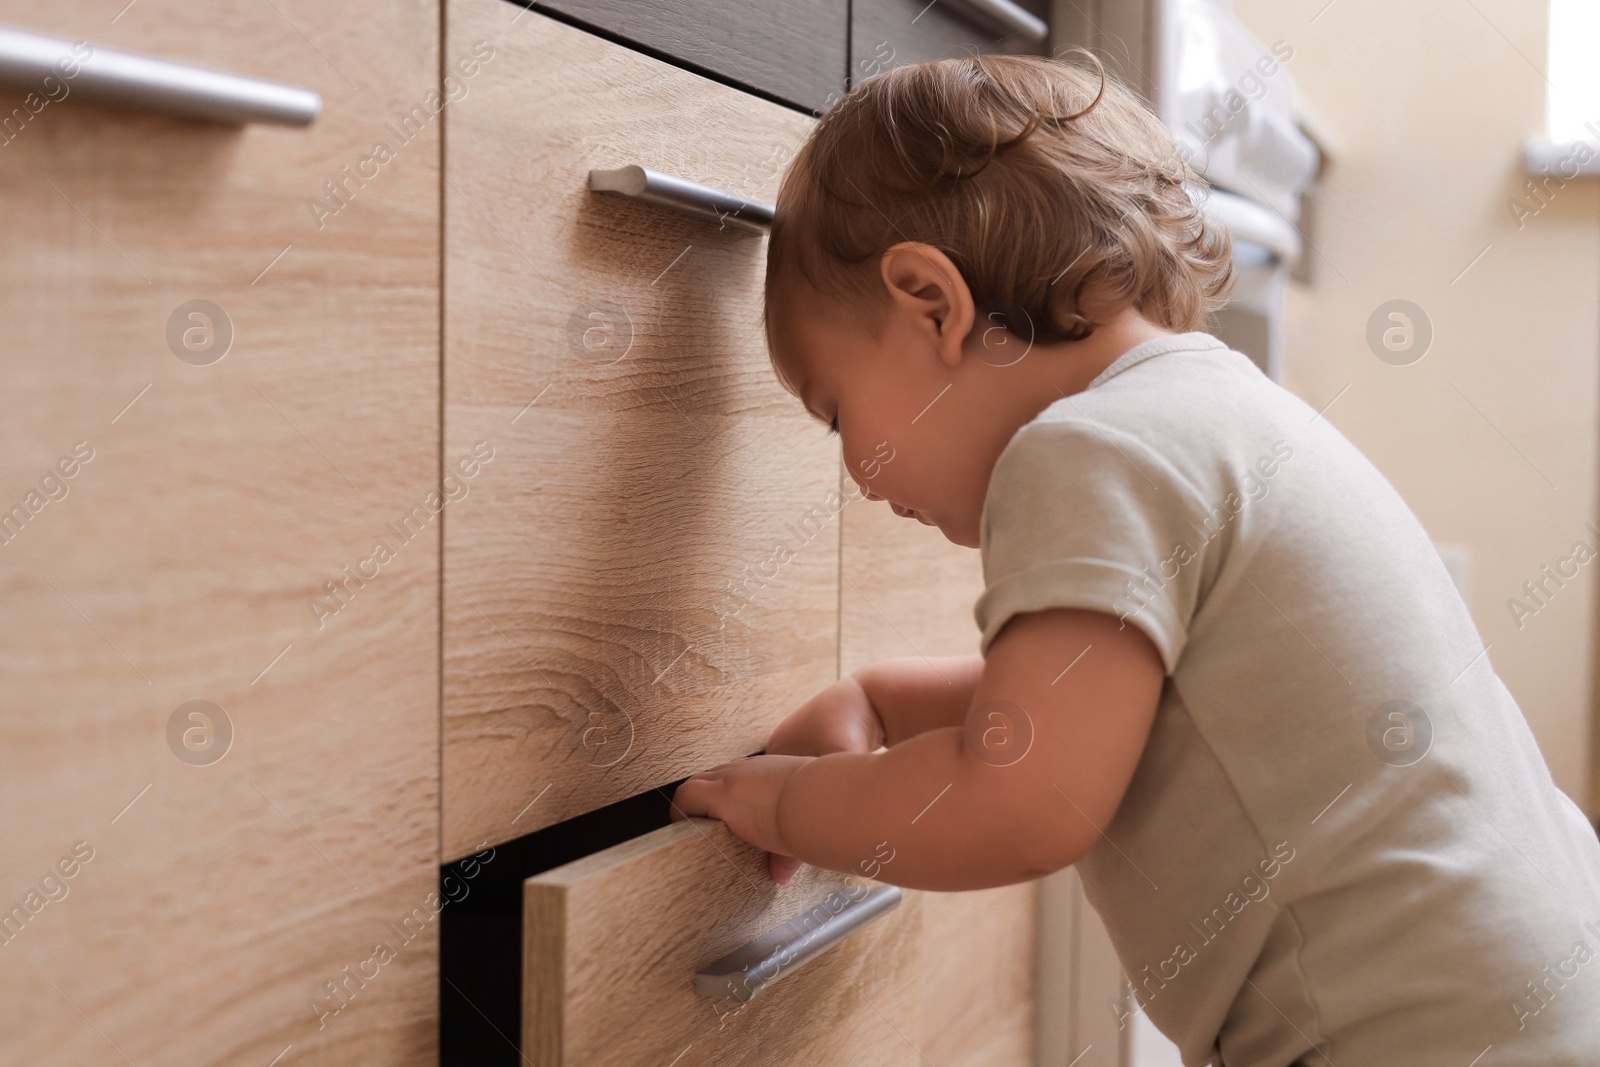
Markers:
point(693, 797)
point(782, 867)
point(723, 766)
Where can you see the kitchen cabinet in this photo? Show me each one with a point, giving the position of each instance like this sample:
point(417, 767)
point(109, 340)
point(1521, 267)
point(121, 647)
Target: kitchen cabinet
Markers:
point(645, 578)
point(235, 861)
point(543, 565)
point(423, 500)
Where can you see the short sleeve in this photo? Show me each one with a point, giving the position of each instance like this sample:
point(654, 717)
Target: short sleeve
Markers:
point(1080, 515)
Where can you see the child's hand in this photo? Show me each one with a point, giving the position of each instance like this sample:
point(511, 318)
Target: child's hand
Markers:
point(744, 794)
point(840, 718)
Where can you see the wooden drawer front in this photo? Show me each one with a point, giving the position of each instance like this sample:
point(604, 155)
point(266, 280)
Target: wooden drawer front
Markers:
point(907, 592)
point(794, 51)
point(612, 943)
point(234, 863)
point(891, 33)
point(644, 579)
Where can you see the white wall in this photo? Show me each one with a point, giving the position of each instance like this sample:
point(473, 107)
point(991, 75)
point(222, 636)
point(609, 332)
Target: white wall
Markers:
point(1492, 436)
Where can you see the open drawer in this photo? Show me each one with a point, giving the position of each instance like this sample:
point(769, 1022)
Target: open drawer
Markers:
point(584, 940)
point(612, 944)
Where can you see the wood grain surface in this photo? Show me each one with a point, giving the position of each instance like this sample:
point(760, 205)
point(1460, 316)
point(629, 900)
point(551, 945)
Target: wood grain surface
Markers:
point(180, 561)
point(614, 941)
point(644, 580)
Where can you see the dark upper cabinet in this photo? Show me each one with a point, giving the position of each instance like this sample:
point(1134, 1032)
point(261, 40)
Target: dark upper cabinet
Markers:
point(805, 52)
point(795, 50)
point(890, 33)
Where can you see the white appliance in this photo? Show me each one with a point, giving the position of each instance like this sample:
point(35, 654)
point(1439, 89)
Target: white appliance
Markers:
point(1265, 249)
point(1230, 103)
point(1229, 100)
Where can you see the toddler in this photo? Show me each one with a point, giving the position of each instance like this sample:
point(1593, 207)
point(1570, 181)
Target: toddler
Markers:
point(1223, 670)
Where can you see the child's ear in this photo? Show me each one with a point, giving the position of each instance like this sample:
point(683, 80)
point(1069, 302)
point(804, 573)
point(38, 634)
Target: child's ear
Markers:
point(925, 286)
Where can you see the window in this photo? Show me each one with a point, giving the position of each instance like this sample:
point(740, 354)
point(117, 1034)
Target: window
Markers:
point(1572, 108)
point(1570, 144)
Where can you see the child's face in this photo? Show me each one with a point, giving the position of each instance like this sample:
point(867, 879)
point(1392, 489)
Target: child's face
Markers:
point(925, 407)
point(913, 430)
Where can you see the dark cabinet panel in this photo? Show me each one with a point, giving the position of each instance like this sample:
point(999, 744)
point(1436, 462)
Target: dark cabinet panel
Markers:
point(794, 51)
point(892, 33)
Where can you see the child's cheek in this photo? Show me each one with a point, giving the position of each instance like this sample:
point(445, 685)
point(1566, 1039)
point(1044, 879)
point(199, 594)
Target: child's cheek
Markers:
point(871, 464)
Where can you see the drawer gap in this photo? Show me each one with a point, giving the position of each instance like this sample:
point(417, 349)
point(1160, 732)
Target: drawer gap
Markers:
point(480, 929)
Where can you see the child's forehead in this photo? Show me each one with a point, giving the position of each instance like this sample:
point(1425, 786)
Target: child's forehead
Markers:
point(788, 315)
point(805, 326)
point(788, 357)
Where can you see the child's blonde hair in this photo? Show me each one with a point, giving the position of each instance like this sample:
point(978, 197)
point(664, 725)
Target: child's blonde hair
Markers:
point(1053, 188)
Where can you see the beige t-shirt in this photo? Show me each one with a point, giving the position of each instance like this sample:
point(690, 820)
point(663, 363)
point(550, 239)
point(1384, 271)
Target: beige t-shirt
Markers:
point(1341, 844)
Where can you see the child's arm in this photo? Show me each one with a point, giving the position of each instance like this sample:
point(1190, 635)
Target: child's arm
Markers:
point(957, 813)
point(882, 703)
point(913, 694)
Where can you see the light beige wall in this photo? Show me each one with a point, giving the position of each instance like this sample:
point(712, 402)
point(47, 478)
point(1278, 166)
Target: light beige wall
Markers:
point(1491, 437)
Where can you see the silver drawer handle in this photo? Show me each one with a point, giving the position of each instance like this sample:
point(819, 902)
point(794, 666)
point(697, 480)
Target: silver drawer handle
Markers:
point(684, 196)
point(742, 974)
point(27, 59)
point(1003, 15)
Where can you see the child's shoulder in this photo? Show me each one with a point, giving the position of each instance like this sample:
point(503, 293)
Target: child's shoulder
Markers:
point(1186, 403)
point(1174, 382)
